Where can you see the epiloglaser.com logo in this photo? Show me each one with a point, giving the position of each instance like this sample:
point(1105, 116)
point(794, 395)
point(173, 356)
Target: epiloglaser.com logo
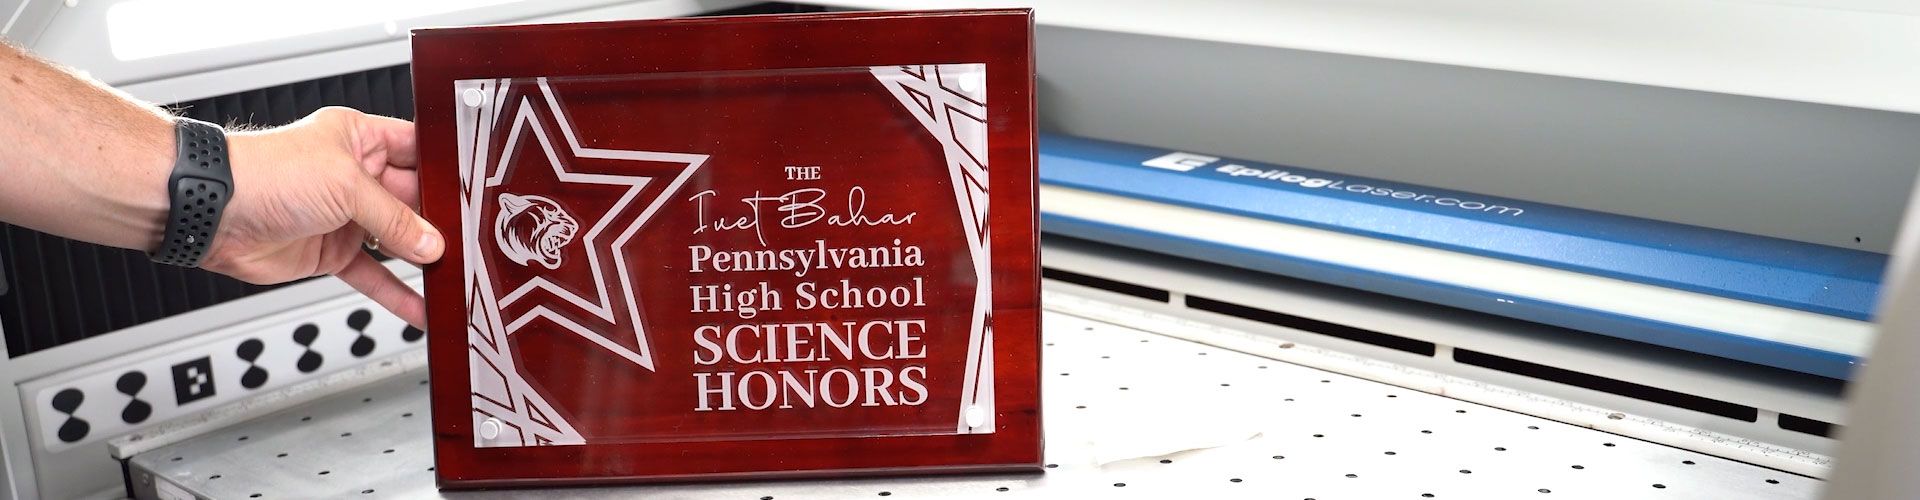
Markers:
point(1184, 162)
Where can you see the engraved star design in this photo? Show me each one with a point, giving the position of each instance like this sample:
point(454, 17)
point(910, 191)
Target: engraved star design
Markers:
point(597, 303)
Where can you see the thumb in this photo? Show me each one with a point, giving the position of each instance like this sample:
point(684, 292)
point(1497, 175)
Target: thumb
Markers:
point(402, 233)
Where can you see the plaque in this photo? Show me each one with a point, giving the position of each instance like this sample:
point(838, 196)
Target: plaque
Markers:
point(732, 247)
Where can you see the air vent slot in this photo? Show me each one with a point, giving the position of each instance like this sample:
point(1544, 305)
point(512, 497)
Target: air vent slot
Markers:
point(1119, 287)
point(1607, 385)
point(1807, 425)
point(1335, 330)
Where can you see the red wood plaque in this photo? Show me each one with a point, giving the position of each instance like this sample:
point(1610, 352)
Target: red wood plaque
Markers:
point(732, 247)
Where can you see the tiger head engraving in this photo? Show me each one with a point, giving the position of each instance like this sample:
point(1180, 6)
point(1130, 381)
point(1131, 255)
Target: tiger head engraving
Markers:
point(532, 229)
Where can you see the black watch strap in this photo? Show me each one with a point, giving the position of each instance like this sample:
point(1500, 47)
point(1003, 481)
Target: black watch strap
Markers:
point(201, 185)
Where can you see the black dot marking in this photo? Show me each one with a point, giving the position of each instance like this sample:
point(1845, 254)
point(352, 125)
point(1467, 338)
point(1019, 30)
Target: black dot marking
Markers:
point(1499, 448)
point(1579, 467)
point(388, 450)
point(1609, 445)
point(242, 438)
point(325, 472)
point(1688, 462)
point(175, 459)
point(1773, 481)
point(1659, 486)
point(366, 492)
point(213, 477)
point(1165, 461)
point(249, 351)
point(1544, 490)
point(1459, 411)
point(406, 415)
point(1534, 427)
point(136, 411)
point(1319, 435)
point(1053, 466)
point(886, 493)
point(358, 321)
point(305, 334)
point(346, 434)
point(309, 360)
point(282, 455)
point(1426, 432)
point(1002, 489)
point(75, 428)
point(1464, 471)
point(255, 495)
point(1426, 495)
point(1392, 453)
point(412, 334)
point(1279, 457)
point(1119, 485)
point(1234, 480)
point(1351, 476)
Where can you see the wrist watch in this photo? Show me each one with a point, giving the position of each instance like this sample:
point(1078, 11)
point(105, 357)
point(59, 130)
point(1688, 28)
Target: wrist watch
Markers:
point(200, 186)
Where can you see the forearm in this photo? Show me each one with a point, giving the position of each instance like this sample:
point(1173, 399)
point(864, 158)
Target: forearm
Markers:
point(78, 159)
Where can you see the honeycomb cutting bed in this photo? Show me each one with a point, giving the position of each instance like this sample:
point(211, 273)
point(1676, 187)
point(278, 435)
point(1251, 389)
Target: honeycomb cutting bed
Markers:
point(1129, 413)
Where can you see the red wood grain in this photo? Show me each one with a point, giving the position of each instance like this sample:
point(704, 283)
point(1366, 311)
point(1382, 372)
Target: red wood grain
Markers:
point(727, 86)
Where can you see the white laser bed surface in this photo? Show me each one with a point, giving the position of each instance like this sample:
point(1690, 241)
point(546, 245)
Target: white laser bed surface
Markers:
point(1129, 413)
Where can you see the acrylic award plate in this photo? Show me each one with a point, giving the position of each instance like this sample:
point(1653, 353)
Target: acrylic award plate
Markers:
point(732, 247)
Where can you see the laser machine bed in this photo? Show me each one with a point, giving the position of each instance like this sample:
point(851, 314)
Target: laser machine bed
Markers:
point(1399, 249)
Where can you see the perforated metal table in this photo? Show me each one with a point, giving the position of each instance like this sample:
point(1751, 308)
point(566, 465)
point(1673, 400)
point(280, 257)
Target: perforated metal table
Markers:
point(1128, 412)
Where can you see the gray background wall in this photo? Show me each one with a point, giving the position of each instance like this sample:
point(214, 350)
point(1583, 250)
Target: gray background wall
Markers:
point(1810, 172)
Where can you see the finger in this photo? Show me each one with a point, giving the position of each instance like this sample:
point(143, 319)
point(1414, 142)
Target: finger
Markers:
point(397, 134)
point(403, 184)
point(402, 232)
point(378, 283)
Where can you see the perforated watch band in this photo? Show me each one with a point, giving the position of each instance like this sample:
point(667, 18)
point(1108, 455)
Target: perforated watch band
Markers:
point(201, 184)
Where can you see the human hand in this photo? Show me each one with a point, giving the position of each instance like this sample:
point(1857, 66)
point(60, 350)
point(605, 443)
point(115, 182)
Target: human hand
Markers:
point(307, 195)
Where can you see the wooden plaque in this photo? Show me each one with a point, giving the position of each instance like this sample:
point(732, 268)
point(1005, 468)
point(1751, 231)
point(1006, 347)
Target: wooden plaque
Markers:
point(732, 247)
